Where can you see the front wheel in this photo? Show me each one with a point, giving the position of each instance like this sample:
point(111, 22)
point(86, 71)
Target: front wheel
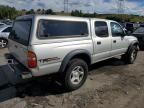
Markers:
point(3, 43)
point(131, 56)
point(75, 74)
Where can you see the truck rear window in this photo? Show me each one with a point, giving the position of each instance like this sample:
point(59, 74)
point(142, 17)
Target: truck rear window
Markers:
point(21, 31)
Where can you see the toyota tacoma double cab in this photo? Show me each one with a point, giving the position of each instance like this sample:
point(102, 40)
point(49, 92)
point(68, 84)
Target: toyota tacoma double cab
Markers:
point(43, 44)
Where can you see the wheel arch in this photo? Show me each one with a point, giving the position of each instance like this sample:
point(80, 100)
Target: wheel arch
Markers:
point(134, 43)
point(4, 38)
point(82, 54)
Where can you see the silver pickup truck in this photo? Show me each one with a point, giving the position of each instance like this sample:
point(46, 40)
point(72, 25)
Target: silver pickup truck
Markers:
point(42, 45)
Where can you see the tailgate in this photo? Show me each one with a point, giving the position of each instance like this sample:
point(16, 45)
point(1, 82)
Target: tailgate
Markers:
point(19, 51)
point(19, 40)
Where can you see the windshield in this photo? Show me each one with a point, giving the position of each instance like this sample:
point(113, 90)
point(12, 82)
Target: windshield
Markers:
point(21, 31)
point(139, 30)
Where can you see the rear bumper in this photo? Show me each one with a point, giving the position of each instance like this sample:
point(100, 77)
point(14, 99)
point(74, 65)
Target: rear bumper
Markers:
point(18, 68)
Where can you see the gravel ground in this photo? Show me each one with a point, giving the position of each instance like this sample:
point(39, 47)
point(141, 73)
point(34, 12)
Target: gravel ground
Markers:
point(111, 84)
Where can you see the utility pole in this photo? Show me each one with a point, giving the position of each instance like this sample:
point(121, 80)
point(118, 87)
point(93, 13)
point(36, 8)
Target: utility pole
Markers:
point(121, 6)
point(66, 6)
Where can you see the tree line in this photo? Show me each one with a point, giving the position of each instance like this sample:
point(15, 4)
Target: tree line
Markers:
point(7, 12)
point(116, 17)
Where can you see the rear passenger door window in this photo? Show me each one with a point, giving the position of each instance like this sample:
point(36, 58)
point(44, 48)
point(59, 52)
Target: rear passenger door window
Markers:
point(59, 29)
point(101, 29)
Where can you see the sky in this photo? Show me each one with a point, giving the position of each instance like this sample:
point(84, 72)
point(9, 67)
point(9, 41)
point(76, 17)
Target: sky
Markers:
point(90, 6)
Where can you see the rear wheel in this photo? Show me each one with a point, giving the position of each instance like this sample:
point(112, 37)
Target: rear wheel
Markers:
point(131, 56)
point(3, 43)
point(75, 74)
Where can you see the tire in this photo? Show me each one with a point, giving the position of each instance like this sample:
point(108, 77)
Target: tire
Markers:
point(3, 43)
point(130, 57)
point(75, 74)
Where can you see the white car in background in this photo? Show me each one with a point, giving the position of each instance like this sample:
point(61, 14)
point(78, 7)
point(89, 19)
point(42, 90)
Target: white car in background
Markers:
point(2, 24)
point(4, 33)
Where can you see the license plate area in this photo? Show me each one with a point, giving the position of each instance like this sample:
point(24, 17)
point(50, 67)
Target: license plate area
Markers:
point(12, 62)
point(19, 69)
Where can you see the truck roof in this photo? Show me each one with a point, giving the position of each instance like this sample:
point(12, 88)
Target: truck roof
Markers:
point(31, 16)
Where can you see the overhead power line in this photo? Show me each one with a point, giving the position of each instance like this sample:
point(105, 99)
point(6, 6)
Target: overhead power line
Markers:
point(121, 6)
point(66, 6)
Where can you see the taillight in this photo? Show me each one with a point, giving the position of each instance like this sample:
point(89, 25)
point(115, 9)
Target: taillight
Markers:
point(32, 59)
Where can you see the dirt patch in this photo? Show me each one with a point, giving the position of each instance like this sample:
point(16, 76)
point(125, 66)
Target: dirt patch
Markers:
point(111, 84)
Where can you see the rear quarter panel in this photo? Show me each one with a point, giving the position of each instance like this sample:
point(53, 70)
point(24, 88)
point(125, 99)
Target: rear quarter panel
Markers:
point(50, 56)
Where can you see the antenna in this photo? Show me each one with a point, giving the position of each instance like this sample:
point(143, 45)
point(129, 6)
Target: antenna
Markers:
point(121, 6)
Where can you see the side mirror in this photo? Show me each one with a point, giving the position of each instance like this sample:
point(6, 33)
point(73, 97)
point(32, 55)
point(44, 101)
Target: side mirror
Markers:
point(125, 32)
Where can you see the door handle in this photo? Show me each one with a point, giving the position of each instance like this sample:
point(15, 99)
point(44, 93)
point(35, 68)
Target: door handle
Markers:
point(99, 42)
point(114, 41)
